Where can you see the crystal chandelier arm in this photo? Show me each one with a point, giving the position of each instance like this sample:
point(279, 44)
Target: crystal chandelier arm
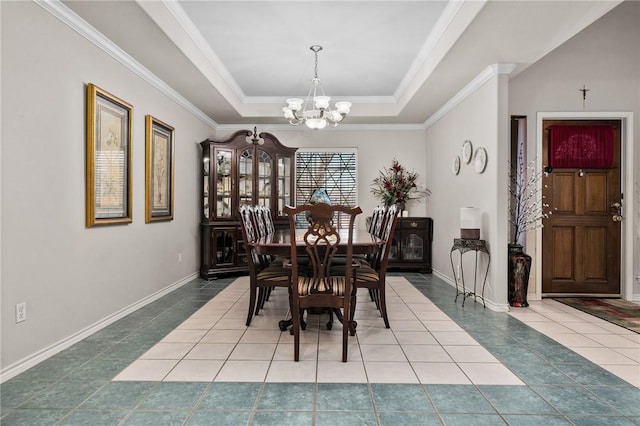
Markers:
point(316, 111)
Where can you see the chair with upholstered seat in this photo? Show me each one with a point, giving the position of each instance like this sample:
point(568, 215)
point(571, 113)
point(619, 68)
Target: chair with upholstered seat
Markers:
point(264, 226)
point(372, 276)
point(318, 286)
point(263, 274)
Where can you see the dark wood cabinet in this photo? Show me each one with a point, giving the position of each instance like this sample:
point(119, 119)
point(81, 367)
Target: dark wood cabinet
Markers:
point(244, 169)
point(411, 246)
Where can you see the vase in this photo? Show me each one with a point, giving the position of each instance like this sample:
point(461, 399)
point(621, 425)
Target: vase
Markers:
point(519, 268)
point(318, 196)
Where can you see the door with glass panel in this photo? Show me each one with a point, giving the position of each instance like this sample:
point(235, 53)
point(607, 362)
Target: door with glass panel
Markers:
point(245, 177)
point(223, 206)
point(264, 178)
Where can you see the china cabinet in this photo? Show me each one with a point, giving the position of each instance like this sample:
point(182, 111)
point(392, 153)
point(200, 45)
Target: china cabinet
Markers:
point(246, 168)
point(411, 246)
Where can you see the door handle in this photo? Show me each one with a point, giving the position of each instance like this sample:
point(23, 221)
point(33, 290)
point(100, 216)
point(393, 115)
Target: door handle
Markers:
point(616, 211)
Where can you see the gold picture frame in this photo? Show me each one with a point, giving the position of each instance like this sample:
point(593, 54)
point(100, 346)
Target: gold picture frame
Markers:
point(158, 170)
point(108, 161)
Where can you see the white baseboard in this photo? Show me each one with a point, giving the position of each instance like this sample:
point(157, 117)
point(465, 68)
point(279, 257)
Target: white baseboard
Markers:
point(30, 361)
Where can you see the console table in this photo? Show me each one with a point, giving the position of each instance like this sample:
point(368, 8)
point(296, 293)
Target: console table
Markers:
point(462, 246)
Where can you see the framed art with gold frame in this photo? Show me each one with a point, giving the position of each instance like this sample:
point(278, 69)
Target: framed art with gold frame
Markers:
point(158, 170)
point(108, 162)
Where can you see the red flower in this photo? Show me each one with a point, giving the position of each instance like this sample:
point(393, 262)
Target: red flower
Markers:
point(397, 185)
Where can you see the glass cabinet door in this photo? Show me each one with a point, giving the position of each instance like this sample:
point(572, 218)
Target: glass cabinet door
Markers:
point(264, 178)
point(224, 241)
point(245, 177)
point(394, 254)
point(412, 247)
point(284, 195)
point(205, 186)
point(223, 183)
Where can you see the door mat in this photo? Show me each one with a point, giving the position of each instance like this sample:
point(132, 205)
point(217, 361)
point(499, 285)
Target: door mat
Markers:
point(620, 312)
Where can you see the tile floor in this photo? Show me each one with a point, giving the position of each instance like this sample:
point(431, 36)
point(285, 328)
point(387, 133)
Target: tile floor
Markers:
point(188, 359)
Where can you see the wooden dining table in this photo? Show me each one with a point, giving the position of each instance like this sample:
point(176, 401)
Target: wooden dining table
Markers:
point(278, 243)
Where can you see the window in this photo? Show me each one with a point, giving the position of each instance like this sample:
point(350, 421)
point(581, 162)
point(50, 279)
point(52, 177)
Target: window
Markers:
point(333, 171)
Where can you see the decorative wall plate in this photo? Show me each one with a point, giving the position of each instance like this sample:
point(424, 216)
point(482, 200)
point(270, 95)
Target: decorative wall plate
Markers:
point(467, 151)
point(480, 161)
point(455, 165)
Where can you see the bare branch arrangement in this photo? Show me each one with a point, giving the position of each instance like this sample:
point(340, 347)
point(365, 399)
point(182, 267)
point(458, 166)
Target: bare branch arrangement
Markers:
point(527, 206)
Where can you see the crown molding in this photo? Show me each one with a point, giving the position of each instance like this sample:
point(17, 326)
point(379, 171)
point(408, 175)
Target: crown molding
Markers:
point(340, 127)
point(82, 27)
point(486, 75)
point(75, 22)
point(440, 28)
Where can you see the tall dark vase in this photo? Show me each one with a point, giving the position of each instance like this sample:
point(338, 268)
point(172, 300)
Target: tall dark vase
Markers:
point(519, 268)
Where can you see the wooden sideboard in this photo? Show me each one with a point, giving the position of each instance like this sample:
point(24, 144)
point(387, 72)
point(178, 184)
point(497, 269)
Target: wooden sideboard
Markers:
point(411, 249)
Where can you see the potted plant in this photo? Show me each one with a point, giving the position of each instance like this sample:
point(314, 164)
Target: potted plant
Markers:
point(526, 211)
point(397, 185)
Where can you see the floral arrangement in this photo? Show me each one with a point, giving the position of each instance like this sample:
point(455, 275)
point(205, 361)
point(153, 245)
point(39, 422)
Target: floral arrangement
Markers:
point(397, 185)
point(527, 207)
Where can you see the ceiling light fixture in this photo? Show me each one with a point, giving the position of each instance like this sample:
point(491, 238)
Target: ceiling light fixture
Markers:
point(315, 112)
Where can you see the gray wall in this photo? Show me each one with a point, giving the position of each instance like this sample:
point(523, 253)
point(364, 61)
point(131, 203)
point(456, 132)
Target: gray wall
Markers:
point(606, 58)
point(72, 277)
point(478, 118)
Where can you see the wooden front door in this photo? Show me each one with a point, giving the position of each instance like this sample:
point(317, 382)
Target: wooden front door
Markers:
point(581, 238)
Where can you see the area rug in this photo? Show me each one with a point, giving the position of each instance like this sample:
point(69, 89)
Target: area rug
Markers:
point(616, 311)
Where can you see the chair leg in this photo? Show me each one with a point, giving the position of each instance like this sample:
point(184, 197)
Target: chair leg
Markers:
point(296, 334)
point(252, 303)
point(371, 295)
point(376, 297)
point(352, 313)
point(346, 328)
point(303, 324)
point(260, 301)
point(267, 295)
point(383, 305)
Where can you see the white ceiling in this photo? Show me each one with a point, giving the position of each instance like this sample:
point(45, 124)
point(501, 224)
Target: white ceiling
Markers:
point(398, 62)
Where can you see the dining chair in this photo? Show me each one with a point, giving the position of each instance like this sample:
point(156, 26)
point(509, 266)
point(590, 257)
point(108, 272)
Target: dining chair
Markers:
point(317, 286)
point(376, 220)
point(372, 275)
point(263, 275)
point(259, 220)
point(268, 219)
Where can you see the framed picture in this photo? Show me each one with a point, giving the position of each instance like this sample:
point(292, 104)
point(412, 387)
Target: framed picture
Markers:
point(108, 164)
point(158, 170)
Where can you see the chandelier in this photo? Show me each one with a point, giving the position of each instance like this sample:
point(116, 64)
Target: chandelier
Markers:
point(315, 112)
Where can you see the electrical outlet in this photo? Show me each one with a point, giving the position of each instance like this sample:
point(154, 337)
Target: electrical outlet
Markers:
point(179, 257)
point(21, 312)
